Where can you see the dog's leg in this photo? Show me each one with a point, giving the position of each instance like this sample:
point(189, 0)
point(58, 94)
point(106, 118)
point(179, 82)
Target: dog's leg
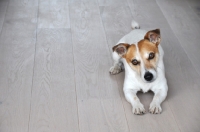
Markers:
point(159, 97)
point(118, 65)
point(137, 106)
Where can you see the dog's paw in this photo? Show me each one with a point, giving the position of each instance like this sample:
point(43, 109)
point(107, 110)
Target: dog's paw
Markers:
point(155, 108)
point(138, 109)
point(115, 69)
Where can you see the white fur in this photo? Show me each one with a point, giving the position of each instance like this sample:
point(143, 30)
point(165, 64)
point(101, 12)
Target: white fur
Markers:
point(135, 25)
point(134, 82)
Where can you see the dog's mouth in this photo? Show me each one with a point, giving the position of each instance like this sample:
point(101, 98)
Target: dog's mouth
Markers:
point(150, 81)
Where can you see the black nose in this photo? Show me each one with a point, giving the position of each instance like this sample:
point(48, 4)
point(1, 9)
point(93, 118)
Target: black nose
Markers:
point(148, 76)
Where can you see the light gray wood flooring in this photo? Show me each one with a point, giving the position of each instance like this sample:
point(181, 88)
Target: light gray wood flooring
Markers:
point(55, 56)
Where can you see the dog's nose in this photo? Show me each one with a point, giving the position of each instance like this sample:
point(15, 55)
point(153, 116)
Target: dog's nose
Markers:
point(148, 76)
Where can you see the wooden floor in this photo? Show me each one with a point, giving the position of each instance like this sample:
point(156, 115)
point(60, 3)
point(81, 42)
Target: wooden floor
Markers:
point(55, 56)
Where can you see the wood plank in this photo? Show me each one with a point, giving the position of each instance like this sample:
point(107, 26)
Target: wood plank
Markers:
point(149, 11)
point(27, 3)
point(53, 103)
point(185, 24)
point(183, 82)
point(99, 102)
point(195, 5)
point(117, 23)
point(17, 48)
point(3, 7)
point(111, 2)
point(53, 14)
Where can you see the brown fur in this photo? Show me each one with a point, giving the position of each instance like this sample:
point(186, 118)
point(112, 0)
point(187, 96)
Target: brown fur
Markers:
point(153, 36)
point(122, 44)
point(145, 47)
point(130, 55)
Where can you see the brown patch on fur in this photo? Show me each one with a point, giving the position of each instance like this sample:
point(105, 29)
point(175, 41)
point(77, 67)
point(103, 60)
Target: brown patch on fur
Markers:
point(130, 55)
point(146, 47)
point(121, 48)
point(121, 44)
point(153, 36)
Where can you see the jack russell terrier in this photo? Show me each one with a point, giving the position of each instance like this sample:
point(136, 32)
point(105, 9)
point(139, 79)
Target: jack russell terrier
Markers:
point(141, 55)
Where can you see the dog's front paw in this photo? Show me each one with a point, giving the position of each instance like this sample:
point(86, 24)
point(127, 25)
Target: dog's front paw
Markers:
point(115, 70)
point(155, 108)
point(138, 109)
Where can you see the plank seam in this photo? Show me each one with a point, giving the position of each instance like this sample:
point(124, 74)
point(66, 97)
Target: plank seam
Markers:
point(179, 41)
point(33, 66)
point(4, 17)
point(115, 76)
point(183, 50)
point(193, 10)
point(74, 68)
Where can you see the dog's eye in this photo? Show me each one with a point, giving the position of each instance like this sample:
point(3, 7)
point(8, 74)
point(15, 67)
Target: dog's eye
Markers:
point(151, 56)
point(135, 62)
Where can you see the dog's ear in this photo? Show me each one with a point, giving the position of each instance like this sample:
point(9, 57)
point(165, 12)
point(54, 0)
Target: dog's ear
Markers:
point(121, 48)
point(153, 36)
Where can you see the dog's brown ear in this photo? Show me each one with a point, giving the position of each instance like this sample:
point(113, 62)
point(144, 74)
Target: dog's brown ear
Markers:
point(153, 36)
point(121, 48)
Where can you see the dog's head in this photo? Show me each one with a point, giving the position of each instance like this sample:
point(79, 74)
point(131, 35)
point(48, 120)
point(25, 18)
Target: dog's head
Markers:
point(142, 57)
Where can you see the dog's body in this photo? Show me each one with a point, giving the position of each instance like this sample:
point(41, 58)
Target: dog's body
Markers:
point(140, 53)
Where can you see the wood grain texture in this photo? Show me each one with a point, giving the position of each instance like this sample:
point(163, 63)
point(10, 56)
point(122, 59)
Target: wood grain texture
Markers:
point(99, 102)
point(185, 24)
point(17, 47)
point(28, 3)
point(55, 56)
point(195, 5)
point(53, 103)
point(53, 14)
point(3, 7)
point(117, 23)
point(112, 2)
point(183, 80)
point(147, 14)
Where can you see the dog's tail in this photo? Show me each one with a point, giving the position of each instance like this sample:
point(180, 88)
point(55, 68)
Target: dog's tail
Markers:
point(135, 25)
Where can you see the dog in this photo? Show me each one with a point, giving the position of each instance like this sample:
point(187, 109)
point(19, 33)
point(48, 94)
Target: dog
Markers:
point(141, 55)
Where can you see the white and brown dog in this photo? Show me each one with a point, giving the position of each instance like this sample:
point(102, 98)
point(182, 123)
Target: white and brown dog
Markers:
point(141, 55)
